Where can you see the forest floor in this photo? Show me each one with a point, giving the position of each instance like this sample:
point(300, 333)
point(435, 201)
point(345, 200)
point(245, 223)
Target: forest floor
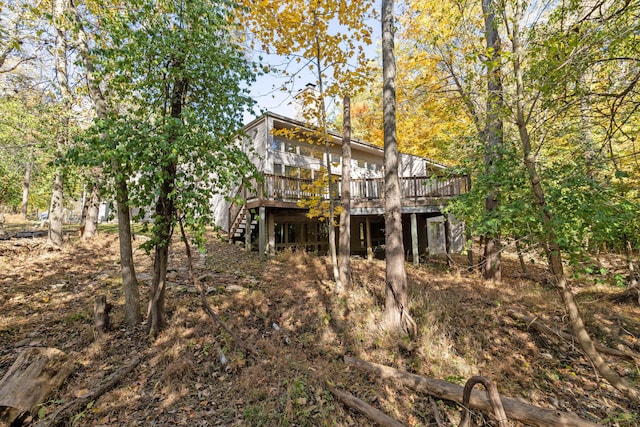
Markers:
point(286, 309)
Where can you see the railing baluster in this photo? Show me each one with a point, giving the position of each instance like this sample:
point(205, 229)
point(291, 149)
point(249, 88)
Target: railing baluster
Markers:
point(416, 188)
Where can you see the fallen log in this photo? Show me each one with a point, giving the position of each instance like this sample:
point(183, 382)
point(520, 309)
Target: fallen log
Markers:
point(514, 409)
point(36, 373)
point(534, 323)
point(369, 411)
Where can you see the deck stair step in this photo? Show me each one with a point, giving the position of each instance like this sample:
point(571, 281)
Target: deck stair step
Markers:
point(241, 225)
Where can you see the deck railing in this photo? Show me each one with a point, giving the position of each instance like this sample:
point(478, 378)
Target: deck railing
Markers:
point(289, 189)
point(284, 188)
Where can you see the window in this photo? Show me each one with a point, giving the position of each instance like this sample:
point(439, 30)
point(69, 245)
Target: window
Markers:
point(306, 150)
point(362, 164)
point(373, 167)
point(276, 144)
point(277, 169)
point(279, 232)
point(290, 147)
point(291, 171)
point(334, 158)
point(293, 230)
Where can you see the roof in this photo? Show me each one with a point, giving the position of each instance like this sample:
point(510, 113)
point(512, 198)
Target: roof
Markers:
point(337, 138)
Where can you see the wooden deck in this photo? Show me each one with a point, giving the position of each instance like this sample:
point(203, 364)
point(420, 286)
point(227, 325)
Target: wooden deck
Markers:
point(366, 193)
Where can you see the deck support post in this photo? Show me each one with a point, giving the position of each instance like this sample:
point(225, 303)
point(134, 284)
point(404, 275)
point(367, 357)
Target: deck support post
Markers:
point(447, 239)
point(414, 239)
point(262, 231)
point(271, 235)
point(247, 231)
point(369, 248)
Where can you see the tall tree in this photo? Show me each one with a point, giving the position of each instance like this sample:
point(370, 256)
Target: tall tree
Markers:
point(396, 317)
point(493, 135)
point(547, 217)
point(433, 40)
point(344, 264)
point(127, 267)
point(27, 142)
point(16, 29)
point(180, 67)
point(56, 206)
point(303, 31)
point(26, 183)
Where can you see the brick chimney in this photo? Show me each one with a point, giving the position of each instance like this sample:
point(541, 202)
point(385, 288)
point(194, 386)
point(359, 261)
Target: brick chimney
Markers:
point(306, 105)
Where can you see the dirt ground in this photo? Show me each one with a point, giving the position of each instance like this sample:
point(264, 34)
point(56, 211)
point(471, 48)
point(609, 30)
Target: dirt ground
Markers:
point(194, 373)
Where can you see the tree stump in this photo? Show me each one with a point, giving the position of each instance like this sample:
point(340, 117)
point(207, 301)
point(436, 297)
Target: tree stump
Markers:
point(101, 314)
point(35, 374)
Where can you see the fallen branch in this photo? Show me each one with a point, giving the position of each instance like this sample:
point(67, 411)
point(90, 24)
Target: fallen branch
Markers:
point(203, 296)
point(542, 328)
point(513, 408)
point(369, 411)
point(631, 293)
point(492, 394)
point(436, 412)
point(67, 410)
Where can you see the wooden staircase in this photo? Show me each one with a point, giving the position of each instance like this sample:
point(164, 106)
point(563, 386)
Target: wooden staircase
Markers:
point(239, 227)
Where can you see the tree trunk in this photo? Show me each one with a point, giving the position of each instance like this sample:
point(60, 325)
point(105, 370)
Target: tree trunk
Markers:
point(633, 275)
point(163, 229)
point(56, 207)
point(101, 310)
point(523, 264)
point(396, 317)
point(155, 314)
point(132, 314)
point(165, 216)
point(56, 211)
point(493, 137)
point(127, 269)
point(90, 220)
point(24, 207)
point(550, 243)
point(491, 268)
point(332, 239)
point(330, 185)
point(469, 238)
point(36, 373)
point(345, 216)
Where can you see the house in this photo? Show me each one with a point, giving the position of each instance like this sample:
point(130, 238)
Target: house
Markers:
point(268, 216)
